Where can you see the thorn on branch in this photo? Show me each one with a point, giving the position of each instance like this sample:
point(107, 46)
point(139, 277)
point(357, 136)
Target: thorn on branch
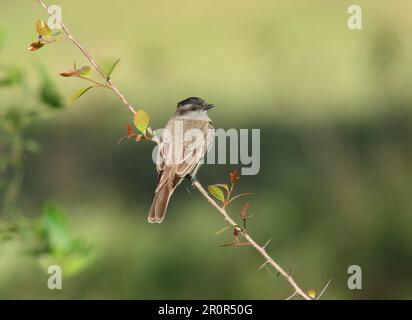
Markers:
point(324, 289)
point(264, 247)
point(263, 265)
point(222, 230)
point(292, 296)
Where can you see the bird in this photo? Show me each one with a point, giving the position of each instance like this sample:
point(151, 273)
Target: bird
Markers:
point(184, 142)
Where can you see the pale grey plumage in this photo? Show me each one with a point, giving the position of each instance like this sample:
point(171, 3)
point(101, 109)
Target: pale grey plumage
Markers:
point(182, 157)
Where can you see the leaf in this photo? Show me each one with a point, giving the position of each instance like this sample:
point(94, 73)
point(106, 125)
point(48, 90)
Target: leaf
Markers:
point(43, 29)
point(71, 264)
point(78, 94)
point(223, 185)
point(74, 258)
point(216, 192)
point(141, 120)
point(111, 69)
point(68, 74)
point(50, 95)
point(36, 45)
point(84, 71)
point(244, 210)
point(53, 228)
point(312, 293)
point(234, 176)
point(130, 132)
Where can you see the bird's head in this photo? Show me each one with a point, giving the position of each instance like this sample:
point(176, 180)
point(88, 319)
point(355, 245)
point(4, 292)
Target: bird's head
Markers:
point(193, 104)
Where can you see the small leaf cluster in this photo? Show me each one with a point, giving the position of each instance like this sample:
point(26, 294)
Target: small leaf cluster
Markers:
point(141, 121)
point(224, 193)
point(45, 36)
point(217, 190)
point(84, 73)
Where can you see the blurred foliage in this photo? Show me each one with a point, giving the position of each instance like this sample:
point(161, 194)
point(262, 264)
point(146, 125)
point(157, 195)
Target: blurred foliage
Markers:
point(46, 238)
point(58, 245)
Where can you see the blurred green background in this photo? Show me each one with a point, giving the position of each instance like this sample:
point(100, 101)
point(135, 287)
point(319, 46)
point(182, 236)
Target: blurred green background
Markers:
point(334, 109)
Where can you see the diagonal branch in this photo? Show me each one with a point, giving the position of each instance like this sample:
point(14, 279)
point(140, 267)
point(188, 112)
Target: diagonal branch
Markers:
point(260, 249)
point(89, 57)
point(197, 185)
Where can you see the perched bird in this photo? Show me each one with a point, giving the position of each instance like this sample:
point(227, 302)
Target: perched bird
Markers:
point(183, 144)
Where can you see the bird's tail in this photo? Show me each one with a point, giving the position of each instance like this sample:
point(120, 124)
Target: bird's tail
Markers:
point(159, 204)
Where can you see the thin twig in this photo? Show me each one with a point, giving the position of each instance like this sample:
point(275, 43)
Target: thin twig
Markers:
point(89, 57)
point(98, 84)
point(197, 185)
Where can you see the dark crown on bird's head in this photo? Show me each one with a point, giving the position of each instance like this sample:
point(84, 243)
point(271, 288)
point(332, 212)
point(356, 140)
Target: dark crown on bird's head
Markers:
point(192, 100)
point(193, 104)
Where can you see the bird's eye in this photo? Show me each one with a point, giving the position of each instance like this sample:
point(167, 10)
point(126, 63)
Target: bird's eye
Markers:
point(193, 108)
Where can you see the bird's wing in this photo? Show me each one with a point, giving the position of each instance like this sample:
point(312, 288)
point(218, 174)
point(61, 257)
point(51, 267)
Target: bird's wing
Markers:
point(171, 167)
point(195, 149)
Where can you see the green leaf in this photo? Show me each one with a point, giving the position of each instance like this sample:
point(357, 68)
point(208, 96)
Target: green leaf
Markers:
point(141, 120)
point(84, 71)
point(111, 69)
point(56, 245)
point(53, 228)
point(216, 192)
point(223, 185)
point(71, 264)
point(78, 94)
point(50, 95)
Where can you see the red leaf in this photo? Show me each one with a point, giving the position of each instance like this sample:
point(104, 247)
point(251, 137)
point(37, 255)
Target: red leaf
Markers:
point(234, 177)
point(68, 74)
point(129, 130)
point(36, 45)
point(244, 210)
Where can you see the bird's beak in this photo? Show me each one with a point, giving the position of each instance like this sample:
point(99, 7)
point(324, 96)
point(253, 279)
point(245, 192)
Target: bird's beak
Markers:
point(208, 106)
